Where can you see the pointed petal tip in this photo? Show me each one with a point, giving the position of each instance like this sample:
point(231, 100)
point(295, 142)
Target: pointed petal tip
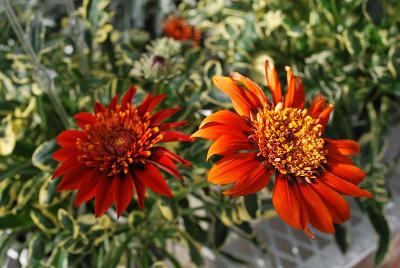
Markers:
point(309, 234)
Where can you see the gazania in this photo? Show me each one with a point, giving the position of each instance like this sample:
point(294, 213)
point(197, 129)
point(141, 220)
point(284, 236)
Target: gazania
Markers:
point(284, 138)
point(116, 152)
point(179, 29)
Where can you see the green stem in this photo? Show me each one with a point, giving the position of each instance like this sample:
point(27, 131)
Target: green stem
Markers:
point(41, 75)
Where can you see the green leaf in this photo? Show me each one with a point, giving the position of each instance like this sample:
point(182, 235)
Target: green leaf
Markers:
point(251, 204)
point(68, 223)
point(379, 222)
point(41, 157)
point(374, 11)
point(19, 220)
point(342, 238)
point(59, 258)
point(37, 247)
point(44, 220)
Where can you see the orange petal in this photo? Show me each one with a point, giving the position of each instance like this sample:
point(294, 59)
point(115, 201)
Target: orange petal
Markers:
point(317, 105)
point(346, 147)
point(334, 155)
point(325, 114)
point(317, 212)
point(232, 167)
point(252, 183)
point(335, 203)
point(342, 186)
point(227, 117)
point(228, 86)
point(251, 86)
point(348, 172)
point(287, 205)
point(273, 82)
point(213, 131)
point(225, 145)
point(153, 179)
point(295, 92)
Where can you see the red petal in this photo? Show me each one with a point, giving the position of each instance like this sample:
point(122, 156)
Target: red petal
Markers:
point(336, 204)
point(114, 102)
point(287, 204)
point(346, 147)
point(140, 192)
point(252, 183)
point(104, 195)
point(226, 145)
point(159, 116)
point(73, 178)
point(164, 162)
point(69, 163)
point(169, 136)
point(350, 173)
point(69, 137)
point(172, 125)
point(99, 108)
point(128, 96)
point(85, 118)
point(150, 103)
point(251, 86)
point(232, 168)
point(153, 179)
point(228, 86)
point(273, 82)
point(123, 192)
point(334, 155)
point(172, 155)
point(229, 118)
point(295, 93)
point(64, 153)
point(343, 186)
point(87, 187)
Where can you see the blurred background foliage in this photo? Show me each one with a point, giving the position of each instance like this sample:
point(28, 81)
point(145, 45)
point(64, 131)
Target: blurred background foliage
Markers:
point(76, 52)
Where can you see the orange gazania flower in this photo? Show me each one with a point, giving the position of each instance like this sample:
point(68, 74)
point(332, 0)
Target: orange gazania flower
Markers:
point(178, 29)
point(116, 152)
point(284, 138)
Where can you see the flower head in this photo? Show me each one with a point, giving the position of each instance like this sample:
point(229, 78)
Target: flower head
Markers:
point(284, 138)
point(116, 153)
point(179, 29)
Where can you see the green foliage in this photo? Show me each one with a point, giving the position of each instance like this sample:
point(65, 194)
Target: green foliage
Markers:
point(348, 50)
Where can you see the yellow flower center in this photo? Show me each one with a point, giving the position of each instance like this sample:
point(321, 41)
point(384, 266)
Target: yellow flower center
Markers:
point(290, 140)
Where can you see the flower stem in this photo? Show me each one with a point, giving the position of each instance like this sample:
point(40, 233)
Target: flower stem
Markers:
point(41, 75)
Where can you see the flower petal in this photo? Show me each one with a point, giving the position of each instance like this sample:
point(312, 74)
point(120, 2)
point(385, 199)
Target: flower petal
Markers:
point(159, 116)
point(228, 118)
point(287, 204)
point(252, 183)
point(85, 118)
point(140, 192)
point(172, 155)
point(164, 162)
point(99, 108)
point(87, 187)
point(350, 173)
point(64, 153)
point(73, 178)
point(345, 147)
point(69, 137)
point(150, 103)
point(251, 86)
point(273, 82)
point(123, 192)
point(128, 96)
point(233, 167)
point(226, 145)
point(317, 212)
point(337, 206)
point(295, 93)
point(152, 178)
point(317, 105)
point(114, 103)
point(104, 195)
point(228, 86)
point(213, 131)
point(342, 186)
point(325, 114)
point(170, 135)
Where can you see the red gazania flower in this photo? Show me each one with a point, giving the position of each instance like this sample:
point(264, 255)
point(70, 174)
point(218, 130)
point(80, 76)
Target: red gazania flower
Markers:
point(178, 29)
point(284, 138)
point(116, 153)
